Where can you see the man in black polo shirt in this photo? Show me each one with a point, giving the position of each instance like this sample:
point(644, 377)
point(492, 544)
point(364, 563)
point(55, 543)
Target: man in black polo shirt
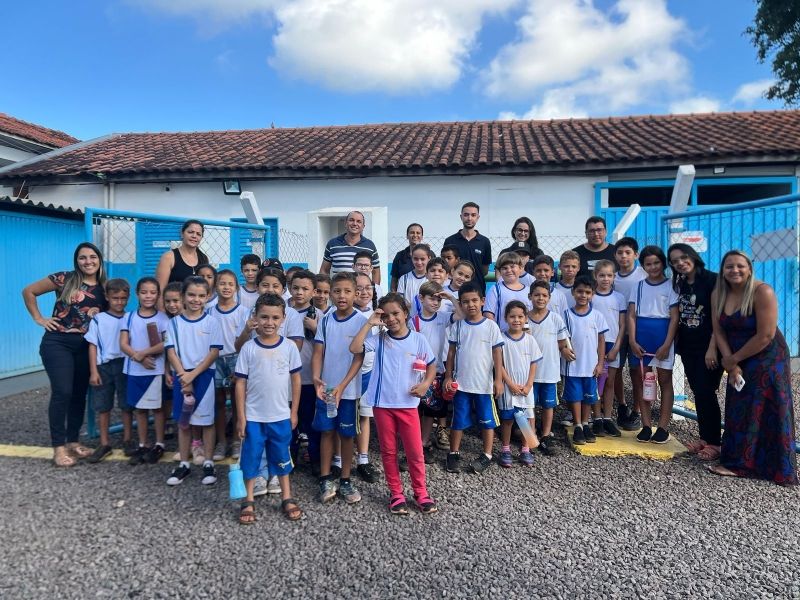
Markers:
point(596, 247)
point(472, 246)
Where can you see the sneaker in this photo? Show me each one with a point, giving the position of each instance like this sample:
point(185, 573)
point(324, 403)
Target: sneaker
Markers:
point(236, 449)
point(546, 444)
point(645, 434)
point(198, 455)
point(623, 414)
point(506, 460)
point(588, 434)
point(154, 454)
point(633, 422)
point(179, 473)
point(274, 486)
point(327, 490)
point(99, 454)
point(129, 447)
point(219, 452)
point(661, 436)
point(480, 464)
point(137, 457)
point(349, 492)
point(367, 472)
point(260, 486)
point(443, 438)
point(453, 462)
point(577, 436)
point(610, 428)
point(566, 420)
point(428, 455)
point(597, 428)
point(526, 458)
point(209, 474)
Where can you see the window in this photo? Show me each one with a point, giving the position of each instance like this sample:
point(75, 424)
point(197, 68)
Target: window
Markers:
point(711, 194)
point(623, 197)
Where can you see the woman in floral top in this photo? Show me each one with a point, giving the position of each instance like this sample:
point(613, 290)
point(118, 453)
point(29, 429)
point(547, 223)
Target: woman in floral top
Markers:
point(79, 297)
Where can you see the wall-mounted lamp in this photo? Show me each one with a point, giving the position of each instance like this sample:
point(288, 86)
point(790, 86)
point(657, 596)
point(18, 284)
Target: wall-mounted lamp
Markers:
point(719, 170)
point(231, 187)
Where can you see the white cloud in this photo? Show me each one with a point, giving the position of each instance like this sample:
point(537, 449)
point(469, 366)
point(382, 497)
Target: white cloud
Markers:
point(750, 93)
point(577, 60)
point(557, 103)
point(697, 104)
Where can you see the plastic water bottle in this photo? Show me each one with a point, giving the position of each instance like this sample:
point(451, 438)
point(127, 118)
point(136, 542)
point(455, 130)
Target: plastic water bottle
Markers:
point(449, 392)
point(419, 370)
point(602, 378)
point(330, 404)
point(186, 411)
point(649, 392)
point(236, 489)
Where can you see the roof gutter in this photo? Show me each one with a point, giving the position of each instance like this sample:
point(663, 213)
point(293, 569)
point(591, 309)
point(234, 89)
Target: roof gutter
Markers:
point(57, 152)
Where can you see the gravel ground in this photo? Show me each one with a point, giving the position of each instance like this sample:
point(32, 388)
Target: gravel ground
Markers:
point(568, 527)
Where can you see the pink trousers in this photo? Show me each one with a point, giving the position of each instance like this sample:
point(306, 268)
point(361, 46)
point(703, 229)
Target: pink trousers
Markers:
point(392, 423)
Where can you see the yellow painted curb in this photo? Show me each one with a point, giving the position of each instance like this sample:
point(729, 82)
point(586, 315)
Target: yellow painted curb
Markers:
point(11, 451)
point(628, 445)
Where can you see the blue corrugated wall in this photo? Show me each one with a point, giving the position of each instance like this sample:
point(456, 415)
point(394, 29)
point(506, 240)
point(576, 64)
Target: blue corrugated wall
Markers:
point(33, 247)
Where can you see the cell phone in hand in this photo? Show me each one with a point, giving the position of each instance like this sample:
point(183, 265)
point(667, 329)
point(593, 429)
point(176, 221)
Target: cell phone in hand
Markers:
point(738, 383)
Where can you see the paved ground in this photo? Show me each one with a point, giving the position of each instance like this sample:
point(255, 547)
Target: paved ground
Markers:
point(570, 527)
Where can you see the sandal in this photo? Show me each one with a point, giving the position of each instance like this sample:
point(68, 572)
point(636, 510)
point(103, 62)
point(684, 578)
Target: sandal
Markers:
point(79, 451)
point(247, 517)
point(722, 471)
point(427, 505)
point(398, 506)
point(709, 453)
point(62, 458)
point(292, 510)
point(695, 446)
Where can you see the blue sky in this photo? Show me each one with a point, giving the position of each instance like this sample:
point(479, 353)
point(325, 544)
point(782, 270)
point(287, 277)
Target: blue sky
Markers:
point(91, 68)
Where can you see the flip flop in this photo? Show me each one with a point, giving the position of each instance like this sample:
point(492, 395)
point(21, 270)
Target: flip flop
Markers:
point(722, 471)
point(709, 453)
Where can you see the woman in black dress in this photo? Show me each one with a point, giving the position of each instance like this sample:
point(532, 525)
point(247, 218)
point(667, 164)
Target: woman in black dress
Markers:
point(182, 262)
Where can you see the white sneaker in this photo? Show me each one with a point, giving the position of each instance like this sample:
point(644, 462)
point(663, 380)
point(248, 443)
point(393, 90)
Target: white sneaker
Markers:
point(219, 452)
point(274, 486)
point(209, 474)
point(236, 450)
point(259, 486)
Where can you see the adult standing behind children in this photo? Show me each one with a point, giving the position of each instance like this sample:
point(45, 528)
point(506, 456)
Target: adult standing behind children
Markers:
point(472, 246)
point(523, 231)
point(401, 263)
point(596, 247)
point(64, 351)
point(182, 262)
point(341, 250)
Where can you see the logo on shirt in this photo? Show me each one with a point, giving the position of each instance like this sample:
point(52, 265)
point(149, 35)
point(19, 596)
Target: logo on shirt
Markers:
point(477, 251)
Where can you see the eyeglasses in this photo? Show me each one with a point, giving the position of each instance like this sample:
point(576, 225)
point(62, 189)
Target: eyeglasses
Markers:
point(596, 231)
point(521, 230)
point(362, 289)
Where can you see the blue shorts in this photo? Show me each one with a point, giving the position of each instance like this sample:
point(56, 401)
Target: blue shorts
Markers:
point(467, 403)
point(345, 422)
point(510, 414)
point(224, 370)
point(650, 335)
point(580, 389)
point(544, 395)
point(275, 438)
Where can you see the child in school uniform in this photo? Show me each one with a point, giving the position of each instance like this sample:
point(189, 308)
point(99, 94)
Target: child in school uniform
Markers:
point(394, 393)
point(581, 366)
point(248, 293)
point(548, 329)
point(614, 308)
point(568, 265)
point(521, 354)
point(142, 341)
point(336, 375)
point(543, 270)
point(267, 402)
point(230, 314)
point(475, 353)
point(106, 368)
point(209, 273)
point(437, 272)
point(365, 302)
point(362, 263)
point(322, 293)
point(450, 256)
point(193, 342)
point(626, 252)
point(173, 305)
point(461, 273)
point(408, 285)
point(509, 288)
point(652, 325)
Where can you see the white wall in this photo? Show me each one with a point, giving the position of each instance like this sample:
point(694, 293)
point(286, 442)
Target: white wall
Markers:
point(558, 206)
point(9, 154)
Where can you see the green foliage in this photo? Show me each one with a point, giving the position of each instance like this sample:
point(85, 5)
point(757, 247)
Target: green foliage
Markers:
point(776, 35)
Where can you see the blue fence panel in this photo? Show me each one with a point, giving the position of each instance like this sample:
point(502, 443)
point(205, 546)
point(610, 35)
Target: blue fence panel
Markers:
point(33, 247)
point(646, 228)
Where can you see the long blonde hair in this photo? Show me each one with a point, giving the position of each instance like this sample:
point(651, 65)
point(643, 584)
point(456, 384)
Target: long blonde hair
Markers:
point(722, 288)
point(74, 280)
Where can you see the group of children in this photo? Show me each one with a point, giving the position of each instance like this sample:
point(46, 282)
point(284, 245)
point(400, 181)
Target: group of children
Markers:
point(308, 361)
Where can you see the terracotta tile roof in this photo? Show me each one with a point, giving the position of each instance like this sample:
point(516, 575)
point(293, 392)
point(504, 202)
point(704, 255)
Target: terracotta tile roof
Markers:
point(35, 133)
point(624, 142)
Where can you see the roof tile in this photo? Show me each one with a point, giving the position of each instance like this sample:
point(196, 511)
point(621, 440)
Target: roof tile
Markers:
point(35, 133)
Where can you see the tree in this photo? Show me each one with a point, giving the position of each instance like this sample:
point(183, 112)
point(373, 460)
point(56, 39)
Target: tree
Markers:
point(776, 35)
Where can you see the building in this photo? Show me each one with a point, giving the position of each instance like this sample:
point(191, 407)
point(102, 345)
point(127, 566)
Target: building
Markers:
point(20, 140)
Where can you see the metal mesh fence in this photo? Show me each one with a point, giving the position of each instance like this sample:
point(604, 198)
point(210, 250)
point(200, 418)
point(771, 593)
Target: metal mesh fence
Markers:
point(553, 245)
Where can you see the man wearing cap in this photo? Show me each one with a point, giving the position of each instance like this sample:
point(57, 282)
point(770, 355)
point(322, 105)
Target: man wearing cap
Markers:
point(341, 250)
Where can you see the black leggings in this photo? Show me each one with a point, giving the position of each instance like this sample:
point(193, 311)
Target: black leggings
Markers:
point(66, 359)
point(704, 383)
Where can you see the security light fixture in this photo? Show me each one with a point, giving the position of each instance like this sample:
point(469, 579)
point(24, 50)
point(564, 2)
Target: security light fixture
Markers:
point(231, 187)
point(719, 170)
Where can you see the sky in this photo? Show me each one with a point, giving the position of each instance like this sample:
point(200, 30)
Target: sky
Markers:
point(90, 68)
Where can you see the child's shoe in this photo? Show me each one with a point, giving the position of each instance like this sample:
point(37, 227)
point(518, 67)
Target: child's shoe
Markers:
point(633, 423)
point(236, 450)
point(611, 429)
point(588, 434)
point(443, 438)
point(645, 434)
point(209, 474)
point(198, 456)
point(154, 454)
point(349, 492)
point(506, 460)
point(129, 447)
point(453, 462)
point(426, 505)
point(578, 438)
point(219, 452)
point(597, 428)
point(526, 458)
point(259, 486)
point(623, 414)
point(480, 464)
point(274, 485)
point(546, 443)
point(327, 490)
point(179, 473)
point(138, 457)
point(661, 436)
point(427, 455)
point(367, 472)
point(99, 454)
